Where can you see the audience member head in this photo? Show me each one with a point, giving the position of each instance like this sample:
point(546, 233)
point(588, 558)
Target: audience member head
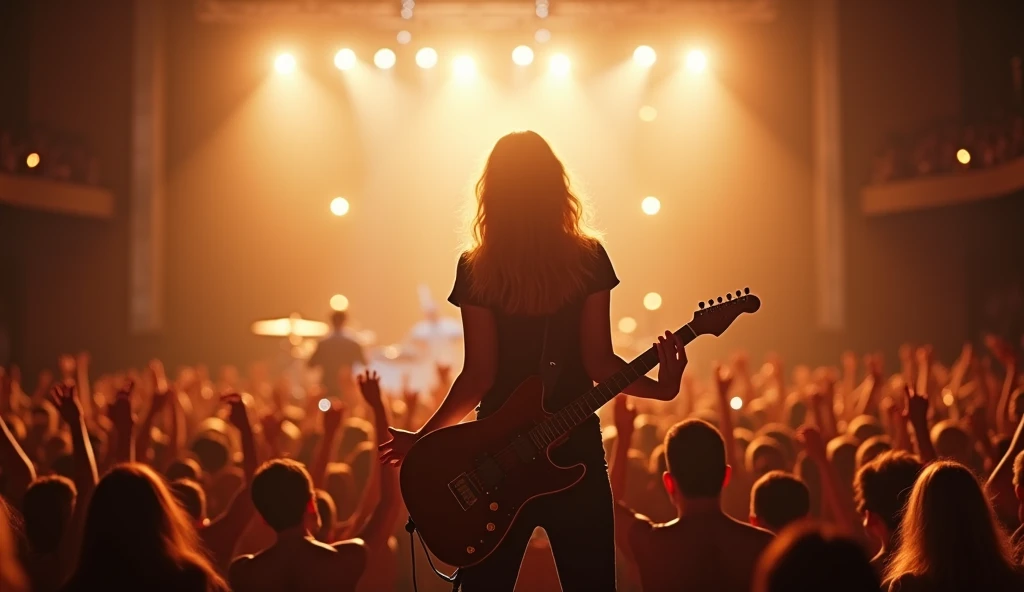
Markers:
point(765, 455)
point(949, 534)
point(807, 471)
point(952, 442)
point(646, 437)
point(47, 508)
point(777, 500)
point(361, 461)
point(64, 466)
point(809, 557)
point(354, 432)
point(881, 490)
point(863, 427)
point(342, 488)
point(184, 468)
point(796, 411)
point(136, 535)
point(338, 319)
point(282, 492)
point(657, 464)
point(842, 453)
point(191, 497)
point(212, 451)
point(871, 448)
point(695, 454)
point(328, 516)
point(784, 436)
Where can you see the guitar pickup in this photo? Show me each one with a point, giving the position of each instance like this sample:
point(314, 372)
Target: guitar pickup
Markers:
point(464, 490)
point(525, 449)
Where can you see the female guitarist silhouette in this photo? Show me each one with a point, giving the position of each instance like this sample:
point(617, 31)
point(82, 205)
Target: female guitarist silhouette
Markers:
point(535, 285)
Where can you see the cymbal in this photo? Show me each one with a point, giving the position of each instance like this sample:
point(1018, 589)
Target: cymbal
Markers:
point(288, 326)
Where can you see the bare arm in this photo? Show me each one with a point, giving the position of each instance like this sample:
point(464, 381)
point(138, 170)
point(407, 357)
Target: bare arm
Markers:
point(124, 424)
point(17, 466)
point(625, 415)
point(381, 522)
point(723, 380)
point(600, 361)
point(65, 398)
point(161, 394)
point(917, 413)
point(1000, 484)
point(332, 424)
point(842, 507)
point(222, 534)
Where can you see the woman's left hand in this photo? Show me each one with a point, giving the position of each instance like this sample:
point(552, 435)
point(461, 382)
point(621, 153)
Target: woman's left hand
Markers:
point(671, 363)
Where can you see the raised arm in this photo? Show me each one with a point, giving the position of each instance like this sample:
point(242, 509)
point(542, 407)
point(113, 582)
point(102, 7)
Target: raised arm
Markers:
point(1006, 355)
point(1000, 484)
point(600, 361)
point(381, 522)
point(625, 416)
point(723, 381)
point(161, 395)
point(64, 397)
point(17, 467)
point(328, 443)
point(842, 507)
point(120, 413)
point(917, 415)
point(476, 378)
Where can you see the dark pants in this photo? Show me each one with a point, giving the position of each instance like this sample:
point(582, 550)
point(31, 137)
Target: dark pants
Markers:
point(580, 526)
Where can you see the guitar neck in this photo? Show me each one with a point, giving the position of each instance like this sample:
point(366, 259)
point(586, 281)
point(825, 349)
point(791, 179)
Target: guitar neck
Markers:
point(585, 405)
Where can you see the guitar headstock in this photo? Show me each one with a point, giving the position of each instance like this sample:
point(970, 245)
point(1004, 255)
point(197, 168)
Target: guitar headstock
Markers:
point(714, 316)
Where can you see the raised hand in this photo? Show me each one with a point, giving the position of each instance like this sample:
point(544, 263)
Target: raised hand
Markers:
point(161, 390)
point(67, 366)
point(810, 438)
point(333, 417)
point(238, 414)
point(671, 363)
point(120, 410)
point(411, 398)
point(917, 405)
point(64, 397)
point(625, 417)
point(1002, 350)
point(369, 386)
point(723, 378)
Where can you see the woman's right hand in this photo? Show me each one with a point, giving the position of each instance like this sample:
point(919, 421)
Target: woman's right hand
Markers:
point(394, 450)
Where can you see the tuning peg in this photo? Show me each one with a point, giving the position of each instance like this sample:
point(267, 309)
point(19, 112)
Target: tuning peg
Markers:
point(728, 296)
point(701, 304)
point(719, 299)
point(711, 302)
point(738, 293)
point(746, 290)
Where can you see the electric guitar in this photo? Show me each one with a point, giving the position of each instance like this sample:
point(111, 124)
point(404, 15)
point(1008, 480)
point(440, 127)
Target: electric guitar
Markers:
point(464, 485)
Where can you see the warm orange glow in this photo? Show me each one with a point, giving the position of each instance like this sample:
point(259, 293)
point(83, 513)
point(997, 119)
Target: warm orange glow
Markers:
point(463, 66)
point(736, 403)
point(285, 63)
point(652, 301)
point(522, 55)
point(963, 156)
point(339, 206)
point(627, 324)
point(696, 60)
point(345, 59)
point(32, 161)
point(426, 58)
point(324, 405)
point(650, 205)
point(542, 36)
point(339, 302)
point(645, 56)
point(385, 59)
point(648, 113)
point(560, 64)
point(404, 37)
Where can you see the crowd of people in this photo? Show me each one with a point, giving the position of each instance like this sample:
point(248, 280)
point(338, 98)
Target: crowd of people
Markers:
point(843, 478)
point(937, 150)
point(40, 152)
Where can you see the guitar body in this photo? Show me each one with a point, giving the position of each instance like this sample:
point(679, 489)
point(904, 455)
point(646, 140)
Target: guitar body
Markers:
point(465, 485)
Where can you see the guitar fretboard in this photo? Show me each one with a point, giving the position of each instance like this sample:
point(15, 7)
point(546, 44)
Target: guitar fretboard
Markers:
point(585, 405)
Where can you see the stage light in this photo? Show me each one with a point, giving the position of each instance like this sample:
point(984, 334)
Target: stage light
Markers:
point(522, 55)
point(645, 56)
point(948, 398)
point(285, 63)
point(324, 405)
point(652, 301)
point(650, 205)
point(560, 64)
point(391, 352)
point(543, 9)
point(339, 206)
point(696, 60)
point(384, 59)
point(736, 403)
point(339, 302)
point(404, 37)
point(648, 113)
point(345, 59)
point(426, 58)
point(463, 66)
point(963, 156)
point(32, 161)
point(627, 324)
point(542, 36)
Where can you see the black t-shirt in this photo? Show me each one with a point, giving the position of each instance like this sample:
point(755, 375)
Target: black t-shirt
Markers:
point(520, 346)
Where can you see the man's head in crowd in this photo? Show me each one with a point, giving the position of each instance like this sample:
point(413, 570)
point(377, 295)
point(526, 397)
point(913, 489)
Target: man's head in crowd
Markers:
point(191, 497)
point(808, 557)
point(882, 488)
point(777, 500)
point(282, 492)
point(338, 319)
point(47, 509)
point(695, 455)
point(764, 455)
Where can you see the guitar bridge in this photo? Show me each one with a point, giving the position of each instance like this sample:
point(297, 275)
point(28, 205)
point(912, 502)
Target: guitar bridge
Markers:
point(464, 490)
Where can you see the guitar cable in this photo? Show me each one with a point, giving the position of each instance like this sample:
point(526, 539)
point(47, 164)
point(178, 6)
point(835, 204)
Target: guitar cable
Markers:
point(455, 579)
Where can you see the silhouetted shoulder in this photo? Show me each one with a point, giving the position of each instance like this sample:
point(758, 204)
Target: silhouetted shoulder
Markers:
point(602, 274)
point(907, 582)
point(352, 554)
point(239, 571)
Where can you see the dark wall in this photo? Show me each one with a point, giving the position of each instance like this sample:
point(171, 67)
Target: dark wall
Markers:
point(71, 272)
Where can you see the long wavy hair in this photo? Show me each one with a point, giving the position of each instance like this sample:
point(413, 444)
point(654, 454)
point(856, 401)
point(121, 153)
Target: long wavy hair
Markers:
point(12, 576)
point(136, 533)
point(531, 244)
point(949, 536)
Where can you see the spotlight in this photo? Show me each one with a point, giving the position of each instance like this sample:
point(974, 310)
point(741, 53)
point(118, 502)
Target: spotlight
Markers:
point(339, 206)
point(324, 405)
point(345, 59)
point(542, 36)
point(384, 59)
point(736, 403)
point(426, 58)
point(560, 64)
point(963, 156)
point(404, 37)
point(463, 66)
point(522, 55)
point(627, 324)
point(652, 301)
point(648, 113)
point(645, 56)
point(696, 61)
point(32, 161)
point(285, 63)
point(339, 302)
point(650, 205)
